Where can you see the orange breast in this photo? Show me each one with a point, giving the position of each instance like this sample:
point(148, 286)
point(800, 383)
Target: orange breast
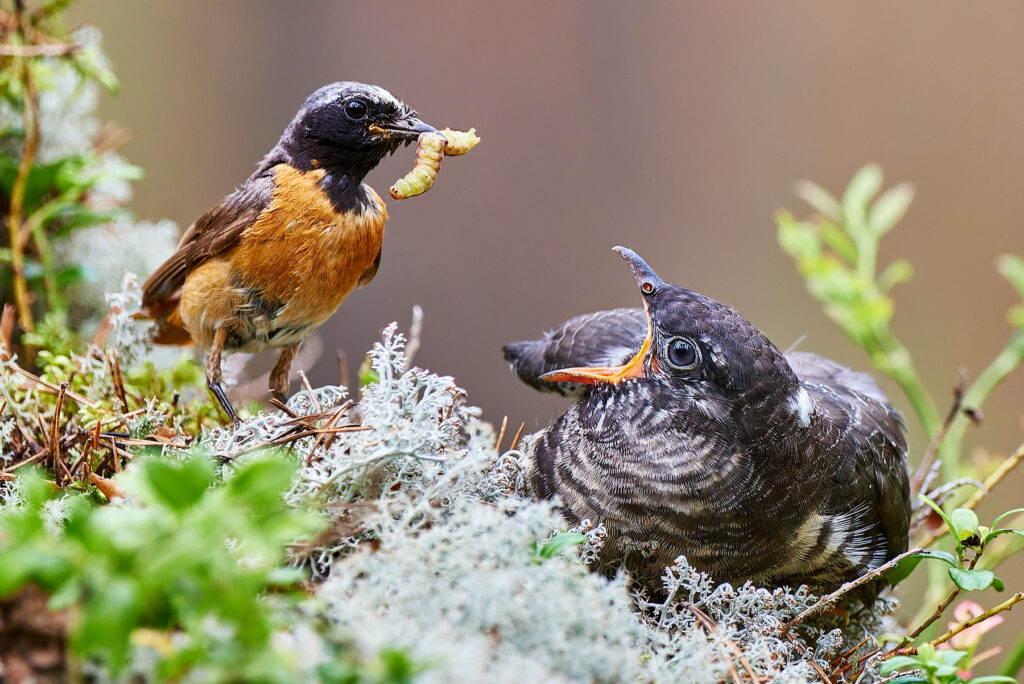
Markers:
point(291, 269)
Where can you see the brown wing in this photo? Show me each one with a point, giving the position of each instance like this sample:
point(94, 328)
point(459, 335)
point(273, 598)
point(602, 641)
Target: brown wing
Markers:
point(873, 449)
point(215, 232)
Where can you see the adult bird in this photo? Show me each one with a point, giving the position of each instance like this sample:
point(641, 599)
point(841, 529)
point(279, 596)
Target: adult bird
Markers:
point(274, 259)
point(694, 435)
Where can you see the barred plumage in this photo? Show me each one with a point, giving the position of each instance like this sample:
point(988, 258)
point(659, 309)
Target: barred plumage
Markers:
point(751, 463)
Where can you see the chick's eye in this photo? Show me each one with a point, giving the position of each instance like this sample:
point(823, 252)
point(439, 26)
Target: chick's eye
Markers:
point(682, 353)
point(355, 109)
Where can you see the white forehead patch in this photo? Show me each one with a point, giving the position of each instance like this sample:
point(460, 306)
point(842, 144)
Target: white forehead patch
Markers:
point(802, 407)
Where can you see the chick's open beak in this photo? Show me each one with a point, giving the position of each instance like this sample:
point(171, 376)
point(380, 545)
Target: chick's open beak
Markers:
point(407, 129)
point(634, 368)
point(649, 283)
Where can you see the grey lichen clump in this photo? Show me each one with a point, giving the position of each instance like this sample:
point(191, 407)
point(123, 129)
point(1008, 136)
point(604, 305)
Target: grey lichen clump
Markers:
point(433, 548)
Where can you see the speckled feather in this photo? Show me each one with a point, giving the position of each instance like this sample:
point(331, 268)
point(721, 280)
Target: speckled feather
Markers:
point(781, 469)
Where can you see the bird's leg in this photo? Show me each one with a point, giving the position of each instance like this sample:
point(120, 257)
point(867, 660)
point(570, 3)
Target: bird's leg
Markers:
point(213, 376)
point(282, 369)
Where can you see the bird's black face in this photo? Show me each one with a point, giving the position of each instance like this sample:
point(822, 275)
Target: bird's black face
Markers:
point(352, 126)
point(695, 346)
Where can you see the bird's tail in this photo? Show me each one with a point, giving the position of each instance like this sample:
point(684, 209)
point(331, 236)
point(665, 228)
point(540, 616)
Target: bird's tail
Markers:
point(168, 328)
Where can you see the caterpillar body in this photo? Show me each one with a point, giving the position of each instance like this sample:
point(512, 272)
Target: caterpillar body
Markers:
point(431, 149)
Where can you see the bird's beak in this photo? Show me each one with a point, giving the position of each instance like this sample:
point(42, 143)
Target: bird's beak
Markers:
point(407, 129)
point(649, 283)
point(634, 368)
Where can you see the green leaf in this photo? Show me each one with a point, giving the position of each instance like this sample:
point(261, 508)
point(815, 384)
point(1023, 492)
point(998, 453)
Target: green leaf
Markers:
point(107, 620)
point(1012, 268)
point(971, 580)
point(560, 542)
point(368, 376)
point(938, 509)
point(965, 523)
point(899, 271)
point(859, 193)
point(819, 198)
point(285, 577)
point(991, 679)
point(260, 481)
point(799, 240)
point(178, 486)
point(890, 208)
point(1012, 511)
point(906, 566)
point(897, 663)
point(838, 241)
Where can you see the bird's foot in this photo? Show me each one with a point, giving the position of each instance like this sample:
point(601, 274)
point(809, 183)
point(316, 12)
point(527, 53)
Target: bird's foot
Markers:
point(222, 399)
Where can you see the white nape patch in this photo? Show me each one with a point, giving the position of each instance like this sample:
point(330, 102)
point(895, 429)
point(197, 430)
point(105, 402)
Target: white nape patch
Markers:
point(802, 406)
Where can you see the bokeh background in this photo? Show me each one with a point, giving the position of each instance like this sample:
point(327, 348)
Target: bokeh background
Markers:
point(674, 128)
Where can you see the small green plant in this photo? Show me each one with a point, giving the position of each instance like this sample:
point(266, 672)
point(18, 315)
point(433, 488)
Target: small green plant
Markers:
point(837, 253)
point(556, 545)
point(836, 250)
point(183, 553)
point(937, 667)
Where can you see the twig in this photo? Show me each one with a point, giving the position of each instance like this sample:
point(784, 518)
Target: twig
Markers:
point(811, 660)
point(7, 332)
point(53, 50)
point(515, 440)
point(342, 410)
point(415, 330)
point(327, 432)
point(936, 615)
point(929, 456)
point(49, 385)
point(1011, 462)
point(117, 378)
point(283, 407)
point(710, 626)
point(501, 434)
point(342, 369)
point(30, 117)
point(55, 427)
point(1005, 605)
point(312, 395)
point(829, 599)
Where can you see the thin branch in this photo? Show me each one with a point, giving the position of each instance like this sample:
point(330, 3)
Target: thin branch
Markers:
point(848, 587)
point(49, 50)
point(30, 119)
point(501, 434)
point(936, 615)
point(1004, 606)
point(711, 627)
point(929, 456)
point(1011, 462)
point(515, 440)
point(49, 385)
point(415, 330)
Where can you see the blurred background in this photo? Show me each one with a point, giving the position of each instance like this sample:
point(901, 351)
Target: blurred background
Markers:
point(674, 128)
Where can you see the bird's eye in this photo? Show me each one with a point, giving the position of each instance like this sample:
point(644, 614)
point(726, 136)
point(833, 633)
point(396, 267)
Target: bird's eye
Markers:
point(355, 109)
point(682, 353)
